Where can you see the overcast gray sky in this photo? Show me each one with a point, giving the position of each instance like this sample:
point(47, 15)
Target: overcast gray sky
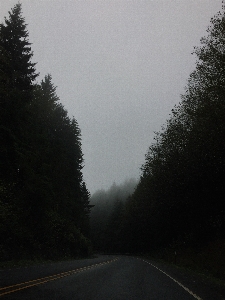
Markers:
point(119, 67)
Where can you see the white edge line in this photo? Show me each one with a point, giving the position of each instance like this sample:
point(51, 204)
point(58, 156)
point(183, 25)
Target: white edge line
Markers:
point(180, 284)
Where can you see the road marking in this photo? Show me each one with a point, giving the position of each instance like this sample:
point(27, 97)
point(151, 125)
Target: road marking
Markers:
point(27, 284)
point(180, 284)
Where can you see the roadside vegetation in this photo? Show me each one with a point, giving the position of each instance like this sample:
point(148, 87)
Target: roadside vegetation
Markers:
point(106, 218)
point(178, 205)
point(175, 212)
point(44, 202)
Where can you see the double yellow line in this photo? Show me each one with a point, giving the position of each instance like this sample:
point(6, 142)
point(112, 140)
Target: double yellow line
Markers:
point(25, 285)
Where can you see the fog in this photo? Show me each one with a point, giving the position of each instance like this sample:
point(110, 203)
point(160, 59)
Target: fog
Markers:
point(119, 67)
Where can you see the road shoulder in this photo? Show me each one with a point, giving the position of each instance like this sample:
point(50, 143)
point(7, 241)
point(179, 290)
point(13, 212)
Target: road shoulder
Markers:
point(203, 286)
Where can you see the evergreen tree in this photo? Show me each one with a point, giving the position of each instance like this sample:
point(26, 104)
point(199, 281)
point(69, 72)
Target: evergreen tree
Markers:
point(14, 40)
point(108, 217)
point(44, 203)
point(16, 85)
point(17, 77)
point(180, 196)
point(57, 162)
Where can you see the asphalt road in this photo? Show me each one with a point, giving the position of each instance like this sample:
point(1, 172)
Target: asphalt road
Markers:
point(101, 278)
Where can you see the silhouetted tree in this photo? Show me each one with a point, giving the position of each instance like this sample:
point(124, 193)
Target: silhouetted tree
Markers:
point(107, 216)
point(181, 190)
point(44, 202)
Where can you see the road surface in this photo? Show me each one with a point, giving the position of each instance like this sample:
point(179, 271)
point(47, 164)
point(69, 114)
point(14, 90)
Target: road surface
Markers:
point(102, 278)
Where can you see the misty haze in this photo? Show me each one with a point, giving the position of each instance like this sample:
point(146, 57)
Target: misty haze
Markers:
point(112, 149)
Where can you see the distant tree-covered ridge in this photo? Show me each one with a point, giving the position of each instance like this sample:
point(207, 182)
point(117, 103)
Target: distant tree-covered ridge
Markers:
point(107, 215)
point(44, 202)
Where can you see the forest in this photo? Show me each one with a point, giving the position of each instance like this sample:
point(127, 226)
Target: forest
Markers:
point(44, 202)
point(177, 205)
point(106, 218)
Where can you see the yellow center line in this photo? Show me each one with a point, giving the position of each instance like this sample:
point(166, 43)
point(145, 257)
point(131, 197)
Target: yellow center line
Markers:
point(24, 285)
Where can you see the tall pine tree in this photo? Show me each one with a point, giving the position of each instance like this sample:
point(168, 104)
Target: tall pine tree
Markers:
point(44, 204)
point(17, 77)
point(16, 84)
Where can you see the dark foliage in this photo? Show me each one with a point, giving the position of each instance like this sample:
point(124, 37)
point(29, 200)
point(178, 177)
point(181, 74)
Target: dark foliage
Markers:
point(178, 203)
point(180, 196)
point(44, 202)
point(107, 216)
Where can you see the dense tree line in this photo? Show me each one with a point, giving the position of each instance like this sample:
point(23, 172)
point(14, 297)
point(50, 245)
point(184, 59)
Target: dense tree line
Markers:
point(179, 200)
point(180, 196)
point(44, 202)
point(107, 216)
